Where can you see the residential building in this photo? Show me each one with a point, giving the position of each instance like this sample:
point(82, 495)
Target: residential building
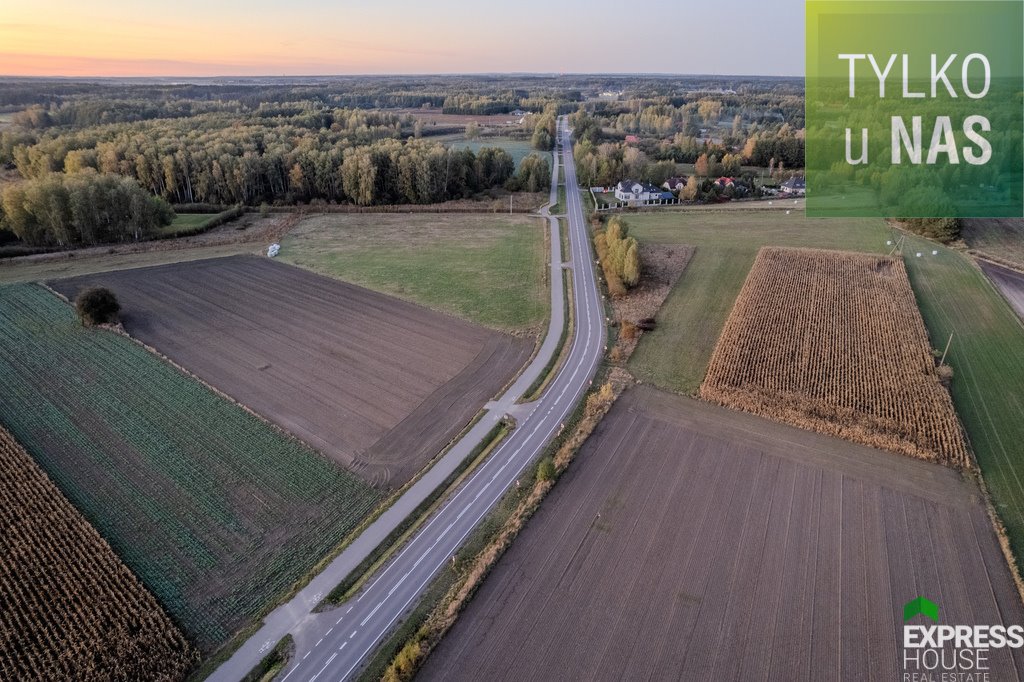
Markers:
point(631, 191)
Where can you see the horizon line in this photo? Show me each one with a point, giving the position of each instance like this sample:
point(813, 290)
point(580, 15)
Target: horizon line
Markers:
point(548, 74)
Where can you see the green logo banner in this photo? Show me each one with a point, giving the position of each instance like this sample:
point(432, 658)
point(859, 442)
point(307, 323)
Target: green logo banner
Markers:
point(915, 108)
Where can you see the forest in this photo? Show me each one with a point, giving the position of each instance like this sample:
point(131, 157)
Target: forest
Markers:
point(148, 144)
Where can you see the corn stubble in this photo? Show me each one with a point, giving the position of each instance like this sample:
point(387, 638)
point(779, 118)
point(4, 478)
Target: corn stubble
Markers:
point(833, 342)
point(72, 610)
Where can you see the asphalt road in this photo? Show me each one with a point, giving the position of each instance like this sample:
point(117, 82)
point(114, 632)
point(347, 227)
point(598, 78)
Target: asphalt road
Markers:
point(333, 645)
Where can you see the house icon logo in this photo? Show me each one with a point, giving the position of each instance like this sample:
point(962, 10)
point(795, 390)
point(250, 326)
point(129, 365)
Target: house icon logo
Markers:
point(921, 606)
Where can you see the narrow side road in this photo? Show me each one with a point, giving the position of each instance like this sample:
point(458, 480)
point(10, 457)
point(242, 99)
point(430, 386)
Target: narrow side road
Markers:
point(333, 645)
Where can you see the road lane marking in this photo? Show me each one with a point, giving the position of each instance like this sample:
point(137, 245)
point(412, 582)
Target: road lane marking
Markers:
point(333, 656)
point(293, 669)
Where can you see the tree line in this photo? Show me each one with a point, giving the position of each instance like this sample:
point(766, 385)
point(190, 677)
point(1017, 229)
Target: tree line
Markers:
point(339, 155)
point(619, 255)
point(81, 209)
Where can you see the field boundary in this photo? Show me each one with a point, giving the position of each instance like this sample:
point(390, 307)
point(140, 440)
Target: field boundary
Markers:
point(408, 648)
point(975, 471)
point(121, 331)
point(394, 208)
point(215, 220)
point(978, 254)
point(209, 663)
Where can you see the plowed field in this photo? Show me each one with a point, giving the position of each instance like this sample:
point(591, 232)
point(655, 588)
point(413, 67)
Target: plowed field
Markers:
point(378, 384)
point(689, 542)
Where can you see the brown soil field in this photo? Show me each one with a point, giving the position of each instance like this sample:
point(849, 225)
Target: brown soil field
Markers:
point(1009, 282)
point(691, 542)
point(833, 342)
point(71, 609)
point(378, 384)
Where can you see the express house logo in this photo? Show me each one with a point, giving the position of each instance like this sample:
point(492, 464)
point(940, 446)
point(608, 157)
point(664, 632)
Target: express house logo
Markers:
point(937, 652)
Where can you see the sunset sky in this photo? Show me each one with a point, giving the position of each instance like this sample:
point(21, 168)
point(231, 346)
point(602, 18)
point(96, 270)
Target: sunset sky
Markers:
point(310, 37)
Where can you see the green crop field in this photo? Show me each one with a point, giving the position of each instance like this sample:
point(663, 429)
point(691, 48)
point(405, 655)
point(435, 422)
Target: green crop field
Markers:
point(987, 356)
point(485, 268)
point(676, 354)
point(216, 512)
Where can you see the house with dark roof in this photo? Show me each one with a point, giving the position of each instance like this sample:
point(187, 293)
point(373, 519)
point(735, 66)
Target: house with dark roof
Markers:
point(675, 183)
point(795, 186)
point(631, 191)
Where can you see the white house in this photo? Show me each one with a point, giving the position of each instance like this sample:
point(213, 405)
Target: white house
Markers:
point(632, 191)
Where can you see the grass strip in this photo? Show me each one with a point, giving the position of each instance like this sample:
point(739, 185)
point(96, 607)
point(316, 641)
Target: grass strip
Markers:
point(190, 230)
point(273, 663)
point(556, 361)
point(356, 578)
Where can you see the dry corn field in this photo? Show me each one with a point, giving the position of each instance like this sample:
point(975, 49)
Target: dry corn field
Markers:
point(833, 342)
point(71, 609)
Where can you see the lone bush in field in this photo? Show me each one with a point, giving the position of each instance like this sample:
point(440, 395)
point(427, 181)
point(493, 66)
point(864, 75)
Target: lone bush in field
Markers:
point(97, 305)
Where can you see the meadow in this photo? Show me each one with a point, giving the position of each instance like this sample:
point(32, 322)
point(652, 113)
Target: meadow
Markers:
point(519, 149)
point(484, 268)
point(987, 355)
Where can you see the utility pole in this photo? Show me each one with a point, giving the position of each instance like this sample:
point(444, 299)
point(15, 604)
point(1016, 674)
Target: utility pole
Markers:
point(943, 360)
point(899, 246)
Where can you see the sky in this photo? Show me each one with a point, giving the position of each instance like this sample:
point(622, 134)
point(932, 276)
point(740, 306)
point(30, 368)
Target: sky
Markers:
point(333, 37)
